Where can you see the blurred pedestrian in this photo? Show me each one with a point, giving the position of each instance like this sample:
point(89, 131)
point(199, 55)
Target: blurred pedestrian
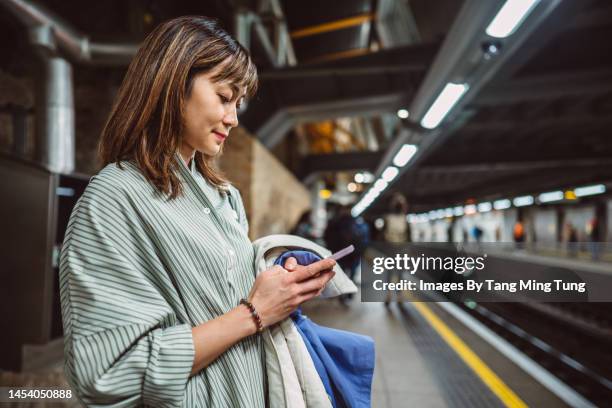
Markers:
point(594, 238)
point(343, 230)
point(572, 239)
point(303, 228)
point(397, 232)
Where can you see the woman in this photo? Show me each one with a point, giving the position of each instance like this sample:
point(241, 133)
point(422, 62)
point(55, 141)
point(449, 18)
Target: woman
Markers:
point(159, 299)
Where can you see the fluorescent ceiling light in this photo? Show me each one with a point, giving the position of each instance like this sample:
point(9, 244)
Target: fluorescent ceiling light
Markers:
point(590, 190)
point(368, 177)
point(502, 204)
point(380, 185)
point(458, 211)
point(550, 196)
point(484, 207)
point(389, 173)
point(449, 96)
point(523, 201)
point(469, 209)
point(448, 212)
point(509, 17)
point(64, 191)
point(404, 155)
point(403, 114)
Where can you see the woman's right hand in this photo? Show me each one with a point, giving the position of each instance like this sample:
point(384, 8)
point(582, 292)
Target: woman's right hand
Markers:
point(277, 292)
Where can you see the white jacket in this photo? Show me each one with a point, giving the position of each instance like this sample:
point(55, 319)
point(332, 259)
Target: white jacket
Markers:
point(293, 381)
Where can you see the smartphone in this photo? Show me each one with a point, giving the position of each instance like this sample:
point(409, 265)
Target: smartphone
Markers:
point(342, 253)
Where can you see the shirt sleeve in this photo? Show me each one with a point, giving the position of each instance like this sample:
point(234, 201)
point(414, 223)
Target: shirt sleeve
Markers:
point(123, 344)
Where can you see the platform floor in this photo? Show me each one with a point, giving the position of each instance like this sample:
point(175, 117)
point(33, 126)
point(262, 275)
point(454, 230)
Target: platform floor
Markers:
point(416, 366)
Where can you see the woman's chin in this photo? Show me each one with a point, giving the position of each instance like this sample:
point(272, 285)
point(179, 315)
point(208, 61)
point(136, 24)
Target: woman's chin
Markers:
point(210, 151)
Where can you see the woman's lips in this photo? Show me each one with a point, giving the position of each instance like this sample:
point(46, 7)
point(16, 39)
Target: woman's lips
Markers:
point(220, 136)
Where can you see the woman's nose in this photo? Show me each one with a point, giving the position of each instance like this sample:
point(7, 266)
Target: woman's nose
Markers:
point(231, 117)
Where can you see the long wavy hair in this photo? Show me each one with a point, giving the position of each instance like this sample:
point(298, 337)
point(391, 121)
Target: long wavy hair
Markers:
point(146, 120)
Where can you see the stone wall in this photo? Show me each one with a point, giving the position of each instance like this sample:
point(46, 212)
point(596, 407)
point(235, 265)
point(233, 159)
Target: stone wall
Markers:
point(274, 199)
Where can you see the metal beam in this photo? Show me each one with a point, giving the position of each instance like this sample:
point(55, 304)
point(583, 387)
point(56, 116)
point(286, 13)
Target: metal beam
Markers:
point(275, 128)
point(512, 166)
point(562, 124)
point(332, 26)
point(546, 87)
point(339, 162)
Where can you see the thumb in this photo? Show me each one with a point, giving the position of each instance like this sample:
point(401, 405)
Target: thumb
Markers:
point(290, 264)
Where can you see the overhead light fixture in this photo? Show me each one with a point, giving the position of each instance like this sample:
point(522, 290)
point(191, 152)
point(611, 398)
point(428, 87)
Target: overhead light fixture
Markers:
point(380, 185)
point(509, 17)
point(325, 193)
point(379, 223)
point(352, 187)
point(570, 195)
point(404, 155)
point(403, 114)
point(502, 204)
point(469, 209)
point(485, 207)
point(550, 196)
point(368, 177)
point(389, 173)
point(590, 190)
point(438, 110)
point(359, 178)
point(522, 201)
point(458, 211)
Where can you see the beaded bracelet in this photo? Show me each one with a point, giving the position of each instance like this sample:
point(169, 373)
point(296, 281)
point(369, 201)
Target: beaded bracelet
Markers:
point(253, 313)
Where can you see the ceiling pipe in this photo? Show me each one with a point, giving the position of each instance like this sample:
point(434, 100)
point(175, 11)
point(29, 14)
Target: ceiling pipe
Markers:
point(61, 37)
point(54, 42)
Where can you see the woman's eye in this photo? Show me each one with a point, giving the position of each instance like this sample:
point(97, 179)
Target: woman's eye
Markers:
point(224, 99)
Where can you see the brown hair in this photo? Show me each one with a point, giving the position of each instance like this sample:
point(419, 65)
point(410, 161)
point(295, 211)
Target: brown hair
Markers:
point(146, 121)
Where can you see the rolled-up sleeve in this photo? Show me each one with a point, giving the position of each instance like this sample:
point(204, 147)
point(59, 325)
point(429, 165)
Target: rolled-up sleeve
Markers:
point(124, 345)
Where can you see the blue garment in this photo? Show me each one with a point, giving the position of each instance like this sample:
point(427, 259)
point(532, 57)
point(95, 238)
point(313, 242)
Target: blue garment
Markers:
point(343, 360)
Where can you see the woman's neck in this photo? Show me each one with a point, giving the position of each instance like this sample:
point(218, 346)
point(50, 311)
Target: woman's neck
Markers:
point(186, 153)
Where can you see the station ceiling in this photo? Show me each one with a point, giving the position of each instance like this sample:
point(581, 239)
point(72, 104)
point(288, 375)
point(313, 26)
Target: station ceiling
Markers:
point(543, 121)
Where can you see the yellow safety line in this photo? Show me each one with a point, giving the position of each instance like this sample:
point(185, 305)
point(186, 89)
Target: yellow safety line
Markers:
point(499, 388)
point(332, 26)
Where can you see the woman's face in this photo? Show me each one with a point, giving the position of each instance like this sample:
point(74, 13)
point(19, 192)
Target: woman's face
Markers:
point(210, 113)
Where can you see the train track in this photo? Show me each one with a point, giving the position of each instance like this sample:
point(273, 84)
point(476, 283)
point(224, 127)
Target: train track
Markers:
point(576, 351)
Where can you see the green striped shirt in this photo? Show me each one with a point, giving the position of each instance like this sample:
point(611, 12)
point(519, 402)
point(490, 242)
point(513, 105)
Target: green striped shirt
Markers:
point(137, 272)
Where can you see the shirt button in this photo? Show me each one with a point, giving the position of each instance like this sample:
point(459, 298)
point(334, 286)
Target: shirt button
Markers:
point(207, 210)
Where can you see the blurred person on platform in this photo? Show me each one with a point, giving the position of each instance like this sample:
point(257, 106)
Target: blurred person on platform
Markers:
point(592, 230)
point(571, 236)
point(343, 230)
point(303, 228)
point(397, 232)
point(518, 231)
